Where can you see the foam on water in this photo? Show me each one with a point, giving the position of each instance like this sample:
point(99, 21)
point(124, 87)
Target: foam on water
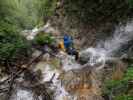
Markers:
point(69, 63)
point(48, 73)
point(60, 92)
point(121, 36)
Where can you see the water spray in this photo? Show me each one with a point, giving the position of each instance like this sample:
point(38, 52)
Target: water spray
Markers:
point(106, 50)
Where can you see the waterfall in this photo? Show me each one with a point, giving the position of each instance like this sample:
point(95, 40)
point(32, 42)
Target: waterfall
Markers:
point(107, 49)
point(121, 36)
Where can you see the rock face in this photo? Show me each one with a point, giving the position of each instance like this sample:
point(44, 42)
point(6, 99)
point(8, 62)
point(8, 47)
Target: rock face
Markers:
point(84, 58)
point(82, 83)
point(88, 33)
point(92, 22)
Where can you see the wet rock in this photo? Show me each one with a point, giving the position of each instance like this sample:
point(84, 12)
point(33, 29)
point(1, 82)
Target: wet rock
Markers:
point(82, 83)
point(84, 58)
point(55, 63)
point(46, 57)
point(119, 70)
point(40, 66)
point(36, 53)
point(31, 77)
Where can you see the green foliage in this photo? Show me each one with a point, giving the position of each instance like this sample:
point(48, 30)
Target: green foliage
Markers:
point(15, 16)
point(119, 88)
point(14, 49)
point(43, 38)
point(130, 2)
point(26, 13)
point(46, 8)
point(129, 74)
point(124, 97)
point(114, 83)
point(94, 11)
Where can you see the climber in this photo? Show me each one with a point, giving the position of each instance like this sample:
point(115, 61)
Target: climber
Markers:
point(67, 46)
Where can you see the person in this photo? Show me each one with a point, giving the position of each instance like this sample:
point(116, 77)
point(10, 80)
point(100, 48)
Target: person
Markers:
point(68, 41)
point(67, 46)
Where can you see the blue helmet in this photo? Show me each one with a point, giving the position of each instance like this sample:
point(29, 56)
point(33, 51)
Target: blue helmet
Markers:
point(67, 41)
point(66, 37)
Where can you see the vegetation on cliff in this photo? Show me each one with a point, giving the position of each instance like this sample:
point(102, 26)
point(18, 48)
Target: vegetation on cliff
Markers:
point(121, 89)
point(91, 12)
point(15, 16)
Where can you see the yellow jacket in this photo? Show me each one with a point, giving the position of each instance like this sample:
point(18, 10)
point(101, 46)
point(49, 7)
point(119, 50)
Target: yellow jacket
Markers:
point(61, 45)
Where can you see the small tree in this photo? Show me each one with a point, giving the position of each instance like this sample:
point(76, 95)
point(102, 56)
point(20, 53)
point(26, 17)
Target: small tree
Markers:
point(14, 49)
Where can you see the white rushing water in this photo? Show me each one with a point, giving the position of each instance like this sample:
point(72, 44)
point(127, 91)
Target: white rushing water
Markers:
point(121, 36)
point(69, 63)
point(106, 49)
point(56, 85)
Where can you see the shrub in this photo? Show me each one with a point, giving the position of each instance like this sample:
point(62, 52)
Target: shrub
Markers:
point(130, 2)
point(26, 14)
point(124, 97)
point(120, 89)
point(95, 11)
point(43, 38)
point(14, 49)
